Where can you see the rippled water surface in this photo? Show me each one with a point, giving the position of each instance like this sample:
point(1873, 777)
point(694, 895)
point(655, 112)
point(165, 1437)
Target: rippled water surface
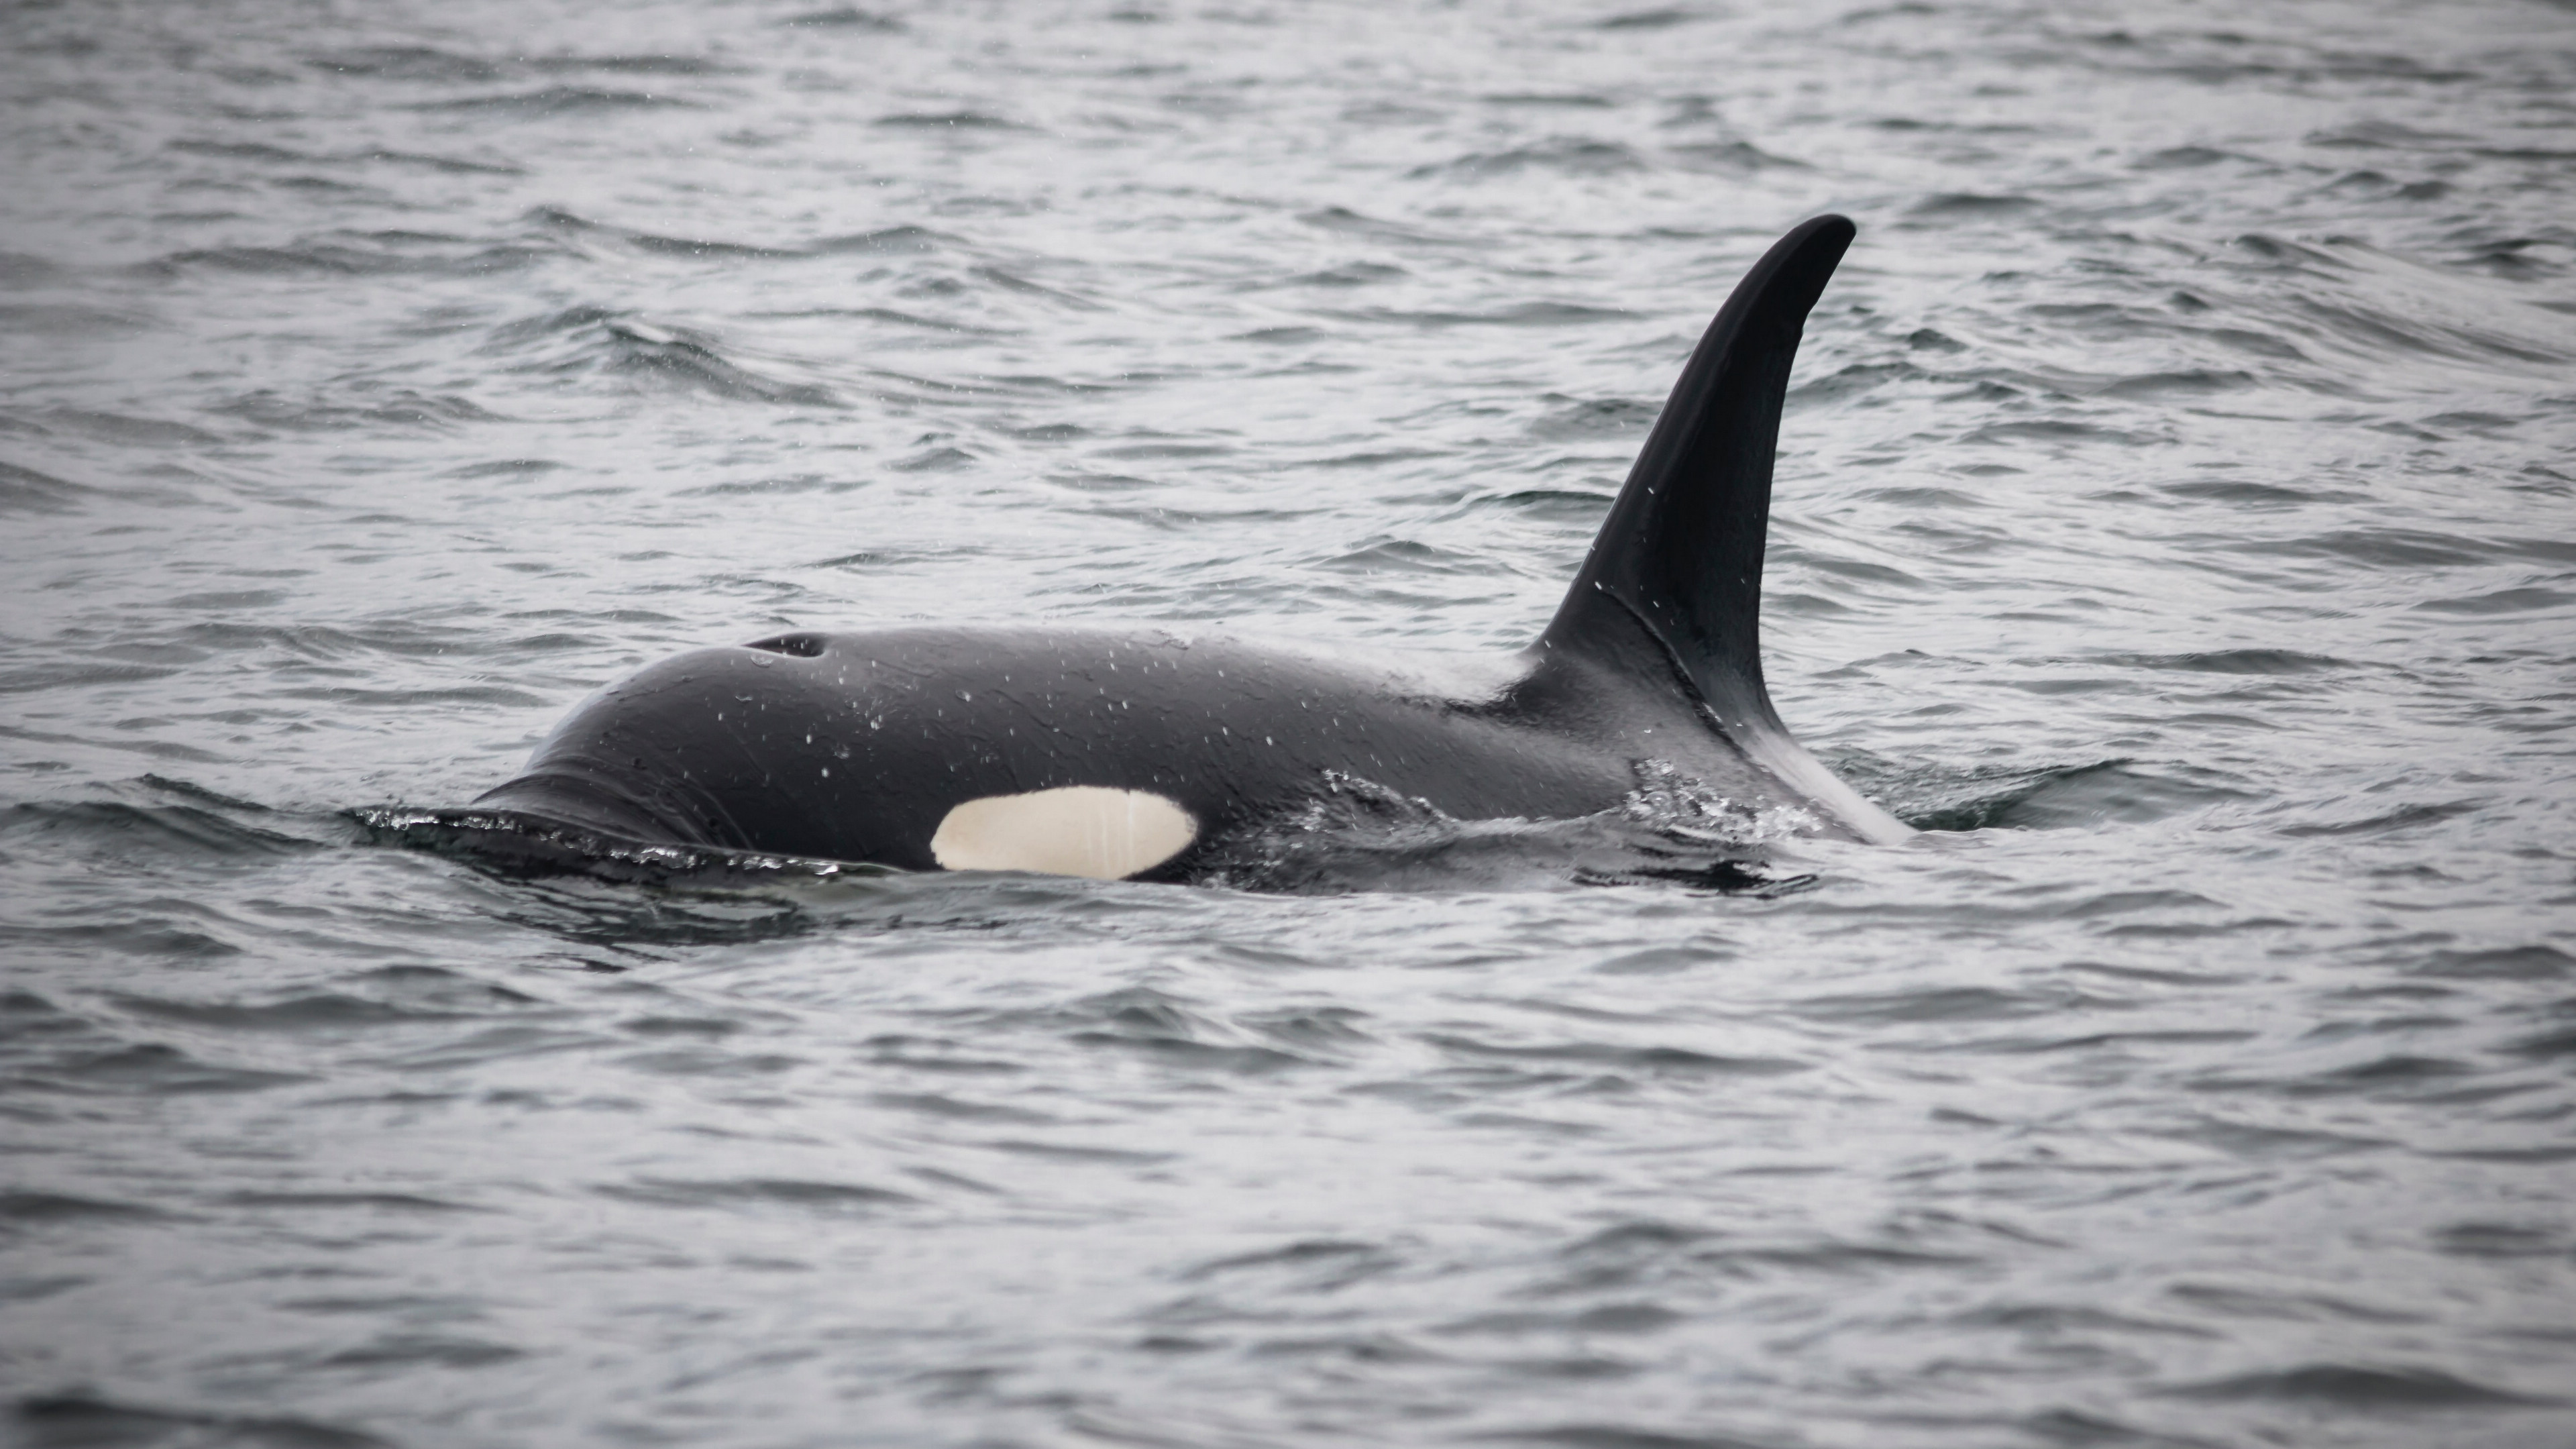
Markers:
point(2174, 514)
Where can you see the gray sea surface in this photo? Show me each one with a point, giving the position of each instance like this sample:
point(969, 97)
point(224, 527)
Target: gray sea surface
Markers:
point(2176, 516)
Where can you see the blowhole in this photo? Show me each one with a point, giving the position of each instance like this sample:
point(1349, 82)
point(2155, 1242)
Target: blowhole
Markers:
point(802, 646)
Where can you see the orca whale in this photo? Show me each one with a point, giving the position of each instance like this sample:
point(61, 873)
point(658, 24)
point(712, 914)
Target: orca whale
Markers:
point(1142, 755)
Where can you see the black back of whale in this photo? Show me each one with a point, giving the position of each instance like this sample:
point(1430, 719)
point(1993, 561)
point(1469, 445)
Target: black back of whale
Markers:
point(856, 746)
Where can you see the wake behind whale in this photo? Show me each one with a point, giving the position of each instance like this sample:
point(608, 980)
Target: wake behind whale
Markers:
point(1167, 758)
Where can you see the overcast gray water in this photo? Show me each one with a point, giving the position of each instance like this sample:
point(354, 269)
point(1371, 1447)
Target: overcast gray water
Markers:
point(2176, 512)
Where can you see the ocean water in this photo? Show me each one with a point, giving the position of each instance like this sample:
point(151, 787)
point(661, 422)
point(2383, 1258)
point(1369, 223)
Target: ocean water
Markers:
point(2176, 516)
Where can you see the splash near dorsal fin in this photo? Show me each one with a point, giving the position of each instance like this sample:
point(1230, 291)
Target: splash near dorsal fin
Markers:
point(1680, 556)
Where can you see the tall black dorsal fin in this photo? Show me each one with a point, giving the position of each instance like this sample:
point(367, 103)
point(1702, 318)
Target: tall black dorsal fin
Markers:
point(1680, 556)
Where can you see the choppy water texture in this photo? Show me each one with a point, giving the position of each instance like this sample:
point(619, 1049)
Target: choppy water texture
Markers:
point(2174, 512)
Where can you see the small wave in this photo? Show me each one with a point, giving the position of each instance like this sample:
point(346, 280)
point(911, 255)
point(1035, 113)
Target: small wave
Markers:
point(2503, 1240)
point(26, 1206)
point(1663, 18)
point(1133, 451)
point(2259, 495)
point(24, 490)
point(2368, 304)
point(830, 1198)
point(1281, 336)
point(2398, 1077)
point(1012, 281)
point(843, 17)
point(888, 241)
point(1564, 155)
point(280, 155)
point(2404, 817)
point(109, 427)
point(1056, 1152)
point(1406, 556)
point(1594, 417)
point(400, 408)
point(2388, 135)
point(1853, 380)
point(2395, 548)
point(408, 63)
point(2180, 158)
point(933, 460)
point(2236, 661)
point(149, 1069)
point(1617, 1060)
point(453, 165)
point(1343, 219)
point(324, 1011)
point(1935, 1003)
point(893, 240)
point(1971, 204)
point(2046, 797)
point(2261, 1303)
point(631, 64)
point(61, 1421)
point(557, 221)
point(795, 483)
point(2506, 963)
point(306, 642)
point(2183, 382)
point(1731, 158)
point(239, 151)
point(1163, 1026)
point(701, 248)
point(1599, 1319)
point(2502, 601)
point(404, 1350)
point(122, 830)
point(2363, 1386)
point(1522, 314)
point(2066, 433)
point(2222, 57)
point(1553, 100)
point(947, 1107)
point(23, 269)
point(590, 341)
point(358, 254)
point(1311, 1265)
point(1191, 1051)
point(78, 672)
point(1566, 504)
point(562, 101)
point(393, 1202)
point(1349, 274)
point(948, 121)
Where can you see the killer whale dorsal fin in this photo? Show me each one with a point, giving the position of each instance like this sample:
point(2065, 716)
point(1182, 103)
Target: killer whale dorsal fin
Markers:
point(1680, 555)
point(1681, 552)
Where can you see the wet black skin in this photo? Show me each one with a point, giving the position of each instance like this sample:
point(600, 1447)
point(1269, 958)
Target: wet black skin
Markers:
point(855, 746)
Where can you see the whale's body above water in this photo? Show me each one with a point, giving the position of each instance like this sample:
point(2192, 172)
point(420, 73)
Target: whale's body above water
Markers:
point(1109, 755)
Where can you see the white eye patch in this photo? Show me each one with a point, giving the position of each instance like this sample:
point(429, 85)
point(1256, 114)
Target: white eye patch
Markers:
point(1084, 830)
